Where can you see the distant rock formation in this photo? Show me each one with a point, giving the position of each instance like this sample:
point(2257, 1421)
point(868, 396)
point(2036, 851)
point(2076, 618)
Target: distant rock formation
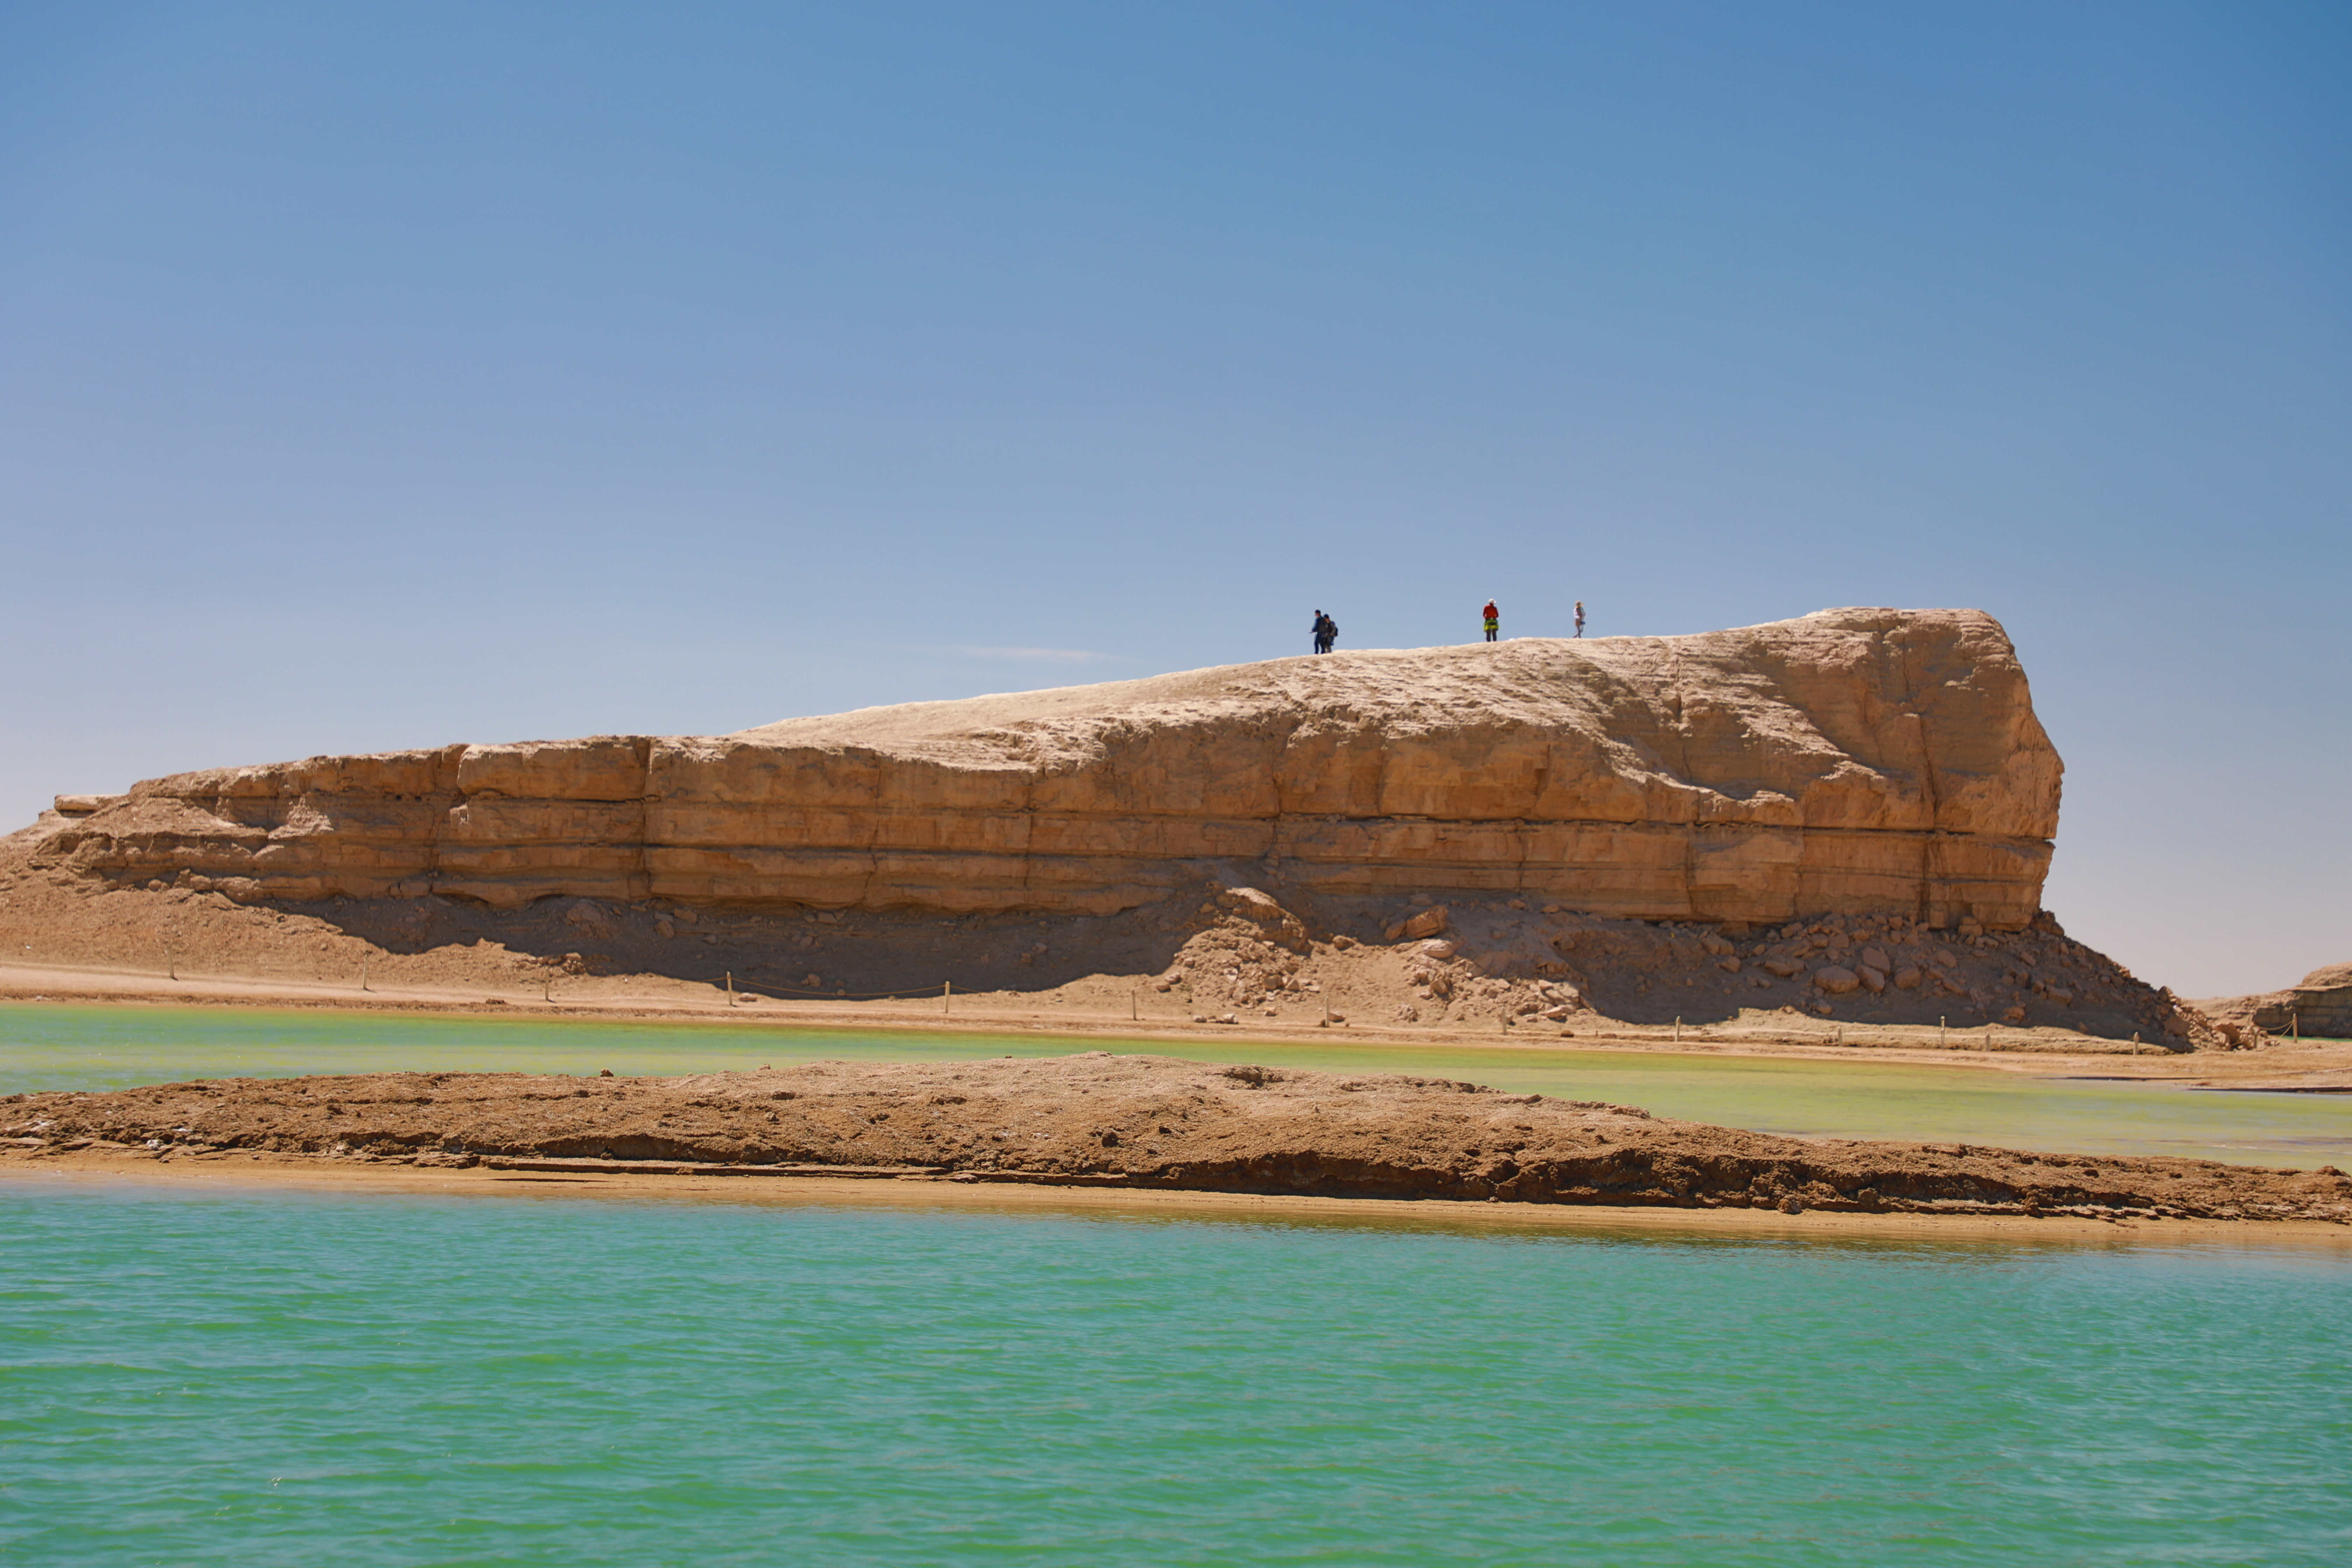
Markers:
point(1852, 761)
point(2321, 1006)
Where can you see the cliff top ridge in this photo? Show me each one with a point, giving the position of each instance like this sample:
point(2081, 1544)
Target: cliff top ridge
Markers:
point(1582, 682)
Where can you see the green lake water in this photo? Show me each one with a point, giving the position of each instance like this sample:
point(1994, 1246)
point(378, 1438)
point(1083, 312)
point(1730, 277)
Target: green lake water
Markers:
point(43, 1046)
point(259, 1377)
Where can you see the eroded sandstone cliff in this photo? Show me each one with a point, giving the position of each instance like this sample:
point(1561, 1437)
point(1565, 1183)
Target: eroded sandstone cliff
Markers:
point(1856, 760)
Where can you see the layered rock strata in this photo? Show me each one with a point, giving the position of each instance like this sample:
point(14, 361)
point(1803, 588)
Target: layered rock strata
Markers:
point(1132, 1120)
point(1850, 762)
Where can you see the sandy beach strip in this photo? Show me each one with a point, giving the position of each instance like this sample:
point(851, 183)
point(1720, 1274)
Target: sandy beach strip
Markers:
point(243, 1173)
point(1134, 1125)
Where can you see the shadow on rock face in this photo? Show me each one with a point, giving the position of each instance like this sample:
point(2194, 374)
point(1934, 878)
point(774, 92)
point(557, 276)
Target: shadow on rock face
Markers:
point(790, 951)
point(1441, 960)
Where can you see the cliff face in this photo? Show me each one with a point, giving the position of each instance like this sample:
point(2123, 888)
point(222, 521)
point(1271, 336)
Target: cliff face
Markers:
point(1852, 761)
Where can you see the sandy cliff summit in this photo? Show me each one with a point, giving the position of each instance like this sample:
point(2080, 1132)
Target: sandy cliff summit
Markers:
point(1855, 760)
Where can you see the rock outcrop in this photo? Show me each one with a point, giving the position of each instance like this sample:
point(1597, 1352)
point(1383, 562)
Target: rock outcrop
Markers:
point(2320, 1007)
point(1857, 762)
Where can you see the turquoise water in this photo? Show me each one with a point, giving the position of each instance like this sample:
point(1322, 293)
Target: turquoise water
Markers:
point(264, 1378)
point(261, 1376)
point(99, 1048)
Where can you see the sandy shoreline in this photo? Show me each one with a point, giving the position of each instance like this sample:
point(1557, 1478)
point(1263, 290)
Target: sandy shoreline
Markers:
point(1137, 1125)
point(241, 1171)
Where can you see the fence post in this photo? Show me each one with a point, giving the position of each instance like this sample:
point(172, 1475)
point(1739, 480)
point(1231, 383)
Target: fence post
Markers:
point(730, 988)
point(947, 997)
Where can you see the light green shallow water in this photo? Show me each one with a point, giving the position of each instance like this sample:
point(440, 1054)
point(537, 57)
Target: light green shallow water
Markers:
point(94, 1048)
point(264, 1379)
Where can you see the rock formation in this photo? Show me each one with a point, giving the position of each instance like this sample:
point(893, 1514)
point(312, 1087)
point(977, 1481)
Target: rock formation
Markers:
point(1852, 761)
point(2320, 1007)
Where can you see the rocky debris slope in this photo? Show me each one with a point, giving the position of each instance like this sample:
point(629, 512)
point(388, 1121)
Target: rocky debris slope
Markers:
point(1148, 1121)
point(1855, 761)
point(1216, 953)
point(1468, 962)
point(2320, 1007)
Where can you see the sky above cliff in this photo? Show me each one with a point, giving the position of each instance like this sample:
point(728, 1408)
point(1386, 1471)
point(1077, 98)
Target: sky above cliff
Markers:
point(380, 376)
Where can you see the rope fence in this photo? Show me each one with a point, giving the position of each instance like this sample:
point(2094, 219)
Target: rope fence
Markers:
point(945, 993)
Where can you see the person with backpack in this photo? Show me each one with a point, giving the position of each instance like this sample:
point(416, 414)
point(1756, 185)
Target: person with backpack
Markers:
point(1494, 619)
point(1325, 630)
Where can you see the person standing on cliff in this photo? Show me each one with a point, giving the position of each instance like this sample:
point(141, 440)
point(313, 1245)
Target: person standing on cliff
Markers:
point(1326, 631)
point(1494, 619)
point(1579, 617)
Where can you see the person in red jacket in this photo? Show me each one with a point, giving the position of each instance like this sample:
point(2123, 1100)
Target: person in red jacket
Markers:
point(1494, 619)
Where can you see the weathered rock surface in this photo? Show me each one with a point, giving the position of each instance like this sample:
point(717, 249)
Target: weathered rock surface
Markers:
point(1141, 1121)
point(1859, 760)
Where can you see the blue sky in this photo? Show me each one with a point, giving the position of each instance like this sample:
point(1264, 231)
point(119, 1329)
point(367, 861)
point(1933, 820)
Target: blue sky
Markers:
point(376, 376)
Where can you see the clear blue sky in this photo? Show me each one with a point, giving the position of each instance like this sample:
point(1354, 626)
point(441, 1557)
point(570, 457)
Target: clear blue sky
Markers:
point(385, 376)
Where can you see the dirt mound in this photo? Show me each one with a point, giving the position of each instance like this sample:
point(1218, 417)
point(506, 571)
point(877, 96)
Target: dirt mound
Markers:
point(1140, 1121)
